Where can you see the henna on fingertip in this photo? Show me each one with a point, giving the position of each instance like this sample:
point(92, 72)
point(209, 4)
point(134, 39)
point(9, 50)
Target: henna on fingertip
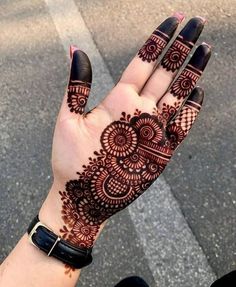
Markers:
point(155, 45)
point(180, 126)
point(183, 44)
point(79, 82)
point(188, 78)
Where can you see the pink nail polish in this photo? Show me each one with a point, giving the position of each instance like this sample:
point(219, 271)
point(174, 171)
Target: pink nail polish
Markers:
point(179, 15)
point(204, 20)
point(72, 49)
point(206, 44)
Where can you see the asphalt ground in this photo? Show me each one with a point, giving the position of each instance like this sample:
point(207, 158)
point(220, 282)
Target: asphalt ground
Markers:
point(33, 74)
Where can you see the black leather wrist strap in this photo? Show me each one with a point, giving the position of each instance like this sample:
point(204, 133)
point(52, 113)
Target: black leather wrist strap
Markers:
point(44, 239)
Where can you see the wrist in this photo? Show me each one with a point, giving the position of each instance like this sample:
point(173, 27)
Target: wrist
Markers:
point(59, 215)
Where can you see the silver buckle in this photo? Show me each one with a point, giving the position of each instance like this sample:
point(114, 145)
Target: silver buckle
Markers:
point(34, 230)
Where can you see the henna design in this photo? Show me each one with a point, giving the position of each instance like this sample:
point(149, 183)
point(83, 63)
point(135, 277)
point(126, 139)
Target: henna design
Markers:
point(159, 38)
point(153, 46)
point(169, 111)
point(187, 115)
point(176, 54)
point(78, 93)
point(119, 139)
point(175, 134)
point(134, 153)
point(178, 130)
point(185, 83)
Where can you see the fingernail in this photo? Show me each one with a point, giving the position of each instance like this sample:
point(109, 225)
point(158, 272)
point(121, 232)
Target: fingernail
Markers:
point(204, 20)
point(196, 95)
point(192, 30)
point(179, 15)
point(72, 49)
point(208, 45)
point(169, 26)
point(80, 67)
point(200, 57)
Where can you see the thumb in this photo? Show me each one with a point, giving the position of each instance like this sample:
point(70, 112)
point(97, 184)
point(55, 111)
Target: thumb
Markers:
point(79, 82)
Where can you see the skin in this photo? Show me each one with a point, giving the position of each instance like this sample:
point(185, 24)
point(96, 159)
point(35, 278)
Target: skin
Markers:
point(142, 92)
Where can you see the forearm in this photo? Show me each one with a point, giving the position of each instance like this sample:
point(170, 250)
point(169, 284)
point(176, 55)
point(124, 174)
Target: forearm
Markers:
point(29, 266)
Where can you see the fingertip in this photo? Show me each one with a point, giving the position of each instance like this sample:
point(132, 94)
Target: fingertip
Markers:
point(196, 96)
point(179, 15)
point(81, 69)
point(169, 26)
point(201, 56)
point(192, 29)
point(73, 48)
point(203, 19)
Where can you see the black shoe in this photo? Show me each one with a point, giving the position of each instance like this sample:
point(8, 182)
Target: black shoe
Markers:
point(229, 280)
point(133, 281)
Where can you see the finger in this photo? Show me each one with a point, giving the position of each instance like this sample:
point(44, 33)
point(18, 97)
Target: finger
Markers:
point(178, 129)
point(173, 60)
point(79, 84)
point(141, 67)
point(185, 83)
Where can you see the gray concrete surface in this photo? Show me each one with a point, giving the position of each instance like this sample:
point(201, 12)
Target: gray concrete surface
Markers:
point(33, 74)
point(175, 257)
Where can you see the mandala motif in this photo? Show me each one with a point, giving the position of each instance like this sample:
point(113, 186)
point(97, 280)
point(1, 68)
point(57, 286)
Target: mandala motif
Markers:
point(184, 84)
point(75, 190)
point(133, 154)
point(148, 128)
point(152, 48)
point(176, 55)
point(84, 232)
point(119, 139)
point(91, 214)
point(77, 96)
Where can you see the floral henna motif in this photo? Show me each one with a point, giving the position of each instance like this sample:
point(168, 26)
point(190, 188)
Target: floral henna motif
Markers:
point(185, 83)
point(176, 54)
point(169, 111)
point(119, 139)
point(153, 46)
point(78, 93)
point(134, 152)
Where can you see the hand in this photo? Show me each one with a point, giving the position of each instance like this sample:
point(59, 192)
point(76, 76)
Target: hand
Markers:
point(104, 159)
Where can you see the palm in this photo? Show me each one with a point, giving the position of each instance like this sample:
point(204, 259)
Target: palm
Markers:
point(72, 135)
point(108, 157)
